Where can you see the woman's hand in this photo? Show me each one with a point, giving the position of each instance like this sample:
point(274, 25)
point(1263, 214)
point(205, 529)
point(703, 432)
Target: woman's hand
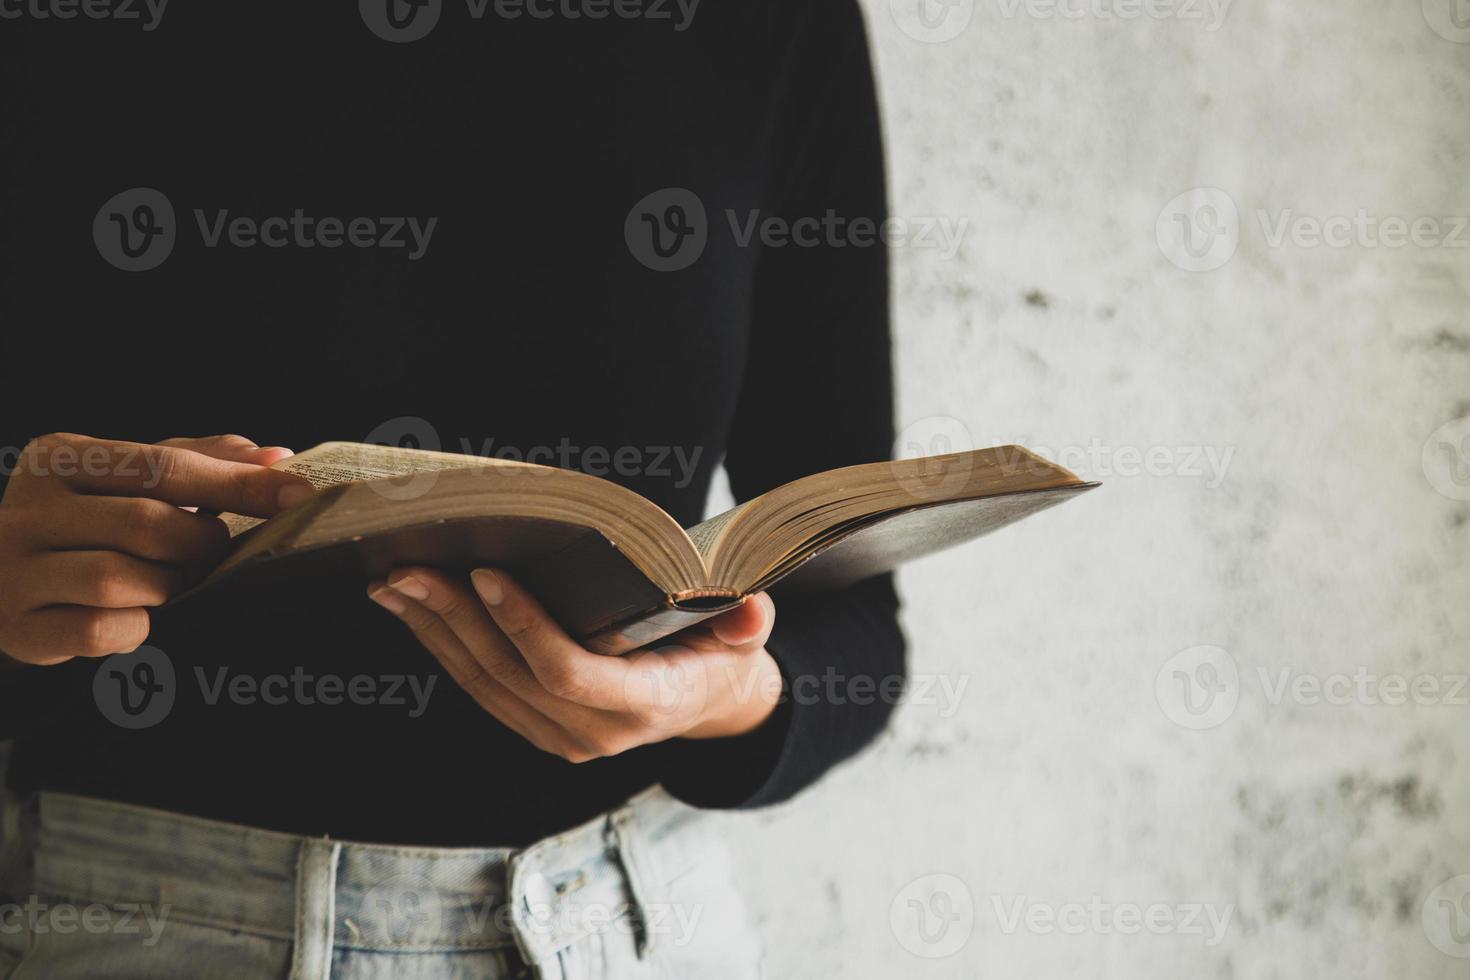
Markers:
point(93, 532)
point(498, 644)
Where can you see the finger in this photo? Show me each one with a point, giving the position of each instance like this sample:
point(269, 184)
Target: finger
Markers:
point(748, 624)
point(463, 612)
point(103, 579)
point(561, 664)
point(178, 476)
point(138, 526)
point(439, 640)
point(57, 633)
point(236, 449)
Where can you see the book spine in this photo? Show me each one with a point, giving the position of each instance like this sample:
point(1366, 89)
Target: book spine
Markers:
point(649, 627)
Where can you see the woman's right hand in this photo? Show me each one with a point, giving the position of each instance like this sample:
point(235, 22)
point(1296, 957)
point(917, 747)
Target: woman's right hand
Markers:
point(94, 532)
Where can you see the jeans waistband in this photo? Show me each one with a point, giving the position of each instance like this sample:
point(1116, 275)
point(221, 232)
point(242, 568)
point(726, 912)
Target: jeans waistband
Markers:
point(324, 893)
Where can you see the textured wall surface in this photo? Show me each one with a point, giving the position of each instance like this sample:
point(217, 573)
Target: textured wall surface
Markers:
point(1210, 720)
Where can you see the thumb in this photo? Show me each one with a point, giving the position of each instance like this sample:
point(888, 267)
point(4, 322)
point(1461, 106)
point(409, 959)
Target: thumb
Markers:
point(748, 624)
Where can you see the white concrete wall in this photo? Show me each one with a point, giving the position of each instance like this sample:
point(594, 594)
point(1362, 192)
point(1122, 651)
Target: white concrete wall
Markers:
point(1286, 516)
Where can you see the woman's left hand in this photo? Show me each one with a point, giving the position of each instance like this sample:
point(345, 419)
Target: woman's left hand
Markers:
point(496, 641)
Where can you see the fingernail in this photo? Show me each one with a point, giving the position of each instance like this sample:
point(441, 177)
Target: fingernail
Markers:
point(293, 494)
point(388, 599)
point(488, 586)
point(276, 449)
point(411, 587)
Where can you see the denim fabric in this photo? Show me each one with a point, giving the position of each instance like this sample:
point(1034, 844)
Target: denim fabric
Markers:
point(96, 889)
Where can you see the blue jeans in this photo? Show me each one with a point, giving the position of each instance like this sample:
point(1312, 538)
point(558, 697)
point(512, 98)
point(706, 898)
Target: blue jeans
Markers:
point(96, 889)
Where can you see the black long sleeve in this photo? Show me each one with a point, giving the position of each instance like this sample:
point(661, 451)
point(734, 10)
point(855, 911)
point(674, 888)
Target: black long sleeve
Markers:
point(817, 394)
point(532, 321)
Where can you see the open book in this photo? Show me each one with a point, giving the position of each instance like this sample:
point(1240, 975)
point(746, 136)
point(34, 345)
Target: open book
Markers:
point(613, 568)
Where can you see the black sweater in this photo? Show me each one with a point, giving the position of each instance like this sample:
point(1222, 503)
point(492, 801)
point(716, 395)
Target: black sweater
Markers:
point(532, 320)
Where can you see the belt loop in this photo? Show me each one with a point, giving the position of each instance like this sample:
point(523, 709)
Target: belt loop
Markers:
point(533, 912)
point(316, 913)
point(18, 829)
point(645, 884)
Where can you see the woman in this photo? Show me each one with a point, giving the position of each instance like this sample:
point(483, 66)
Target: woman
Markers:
point(619, 231)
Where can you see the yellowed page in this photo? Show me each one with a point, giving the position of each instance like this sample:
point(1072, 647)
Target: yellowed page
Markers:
point(333, 463)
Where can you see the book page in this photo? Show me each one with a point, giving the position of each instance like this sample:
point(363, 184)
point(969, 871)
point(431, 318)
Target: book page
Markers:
point(707, 534)
point(333, 463)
